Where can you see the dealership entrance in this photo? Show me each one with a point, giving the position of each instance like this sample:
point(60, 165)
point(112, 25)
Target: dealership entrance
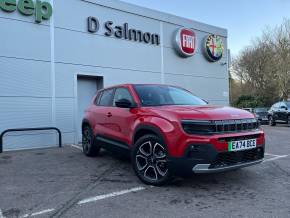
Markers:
point(87, 87)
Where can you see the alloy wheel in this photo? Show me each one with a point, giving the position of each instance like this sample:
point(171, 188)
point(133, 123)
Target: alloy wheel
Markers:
point(271, 121)
point(86, 139)
point(151, 161)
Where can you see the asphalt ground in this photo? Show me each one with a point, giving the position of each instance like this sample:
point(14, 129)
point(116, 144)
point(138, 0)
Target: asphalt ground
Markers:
point(63, 182)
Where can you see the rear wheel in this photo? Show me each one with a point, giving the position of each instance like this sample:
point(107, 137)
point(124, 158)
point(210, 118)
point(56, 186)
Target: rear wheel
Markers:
point(150, 160)
point(272, 122)
point(90, 148)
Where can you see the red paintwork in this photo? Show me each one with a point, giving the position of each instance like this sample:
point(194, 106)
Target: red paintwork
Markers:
point(123, 122)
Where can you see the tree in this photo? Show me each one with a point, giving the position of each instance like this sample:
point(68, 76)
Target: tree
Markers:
point(281, 44)
point(248, 101)
point(262, 69)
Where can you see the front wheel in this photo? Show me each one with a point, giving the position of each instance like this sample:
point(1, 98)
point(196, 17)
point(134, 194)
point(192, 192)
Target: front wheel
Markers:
point(150, 161)
point(272, 121)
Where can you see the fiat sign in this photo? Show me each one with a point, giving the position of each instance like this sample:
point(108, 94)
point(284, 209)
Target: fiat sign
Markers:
point(185, 42)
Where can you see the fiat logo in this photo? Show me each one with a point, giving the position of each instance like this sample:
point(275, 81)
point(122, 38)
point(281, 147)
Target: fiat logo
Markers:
point(185, 42)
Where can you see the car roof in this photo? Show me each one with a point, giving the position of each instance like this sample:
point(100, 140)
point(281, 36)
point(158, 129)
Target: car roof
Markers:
point(137, 84)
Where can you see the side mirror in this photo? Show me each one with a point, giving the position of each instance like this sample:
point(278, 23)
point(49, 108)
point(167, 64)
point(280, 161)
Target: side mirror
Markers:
point(124, 103)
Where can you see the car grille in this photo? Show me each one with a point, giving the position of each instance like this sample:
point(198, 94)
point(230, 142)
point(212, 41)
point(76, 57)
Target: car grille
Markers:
point(219, 126)
point(231, 158)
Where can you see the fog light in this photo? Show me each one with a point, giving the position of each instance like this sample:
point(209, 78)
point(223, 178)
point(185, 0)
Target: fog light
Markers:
point(194, 148)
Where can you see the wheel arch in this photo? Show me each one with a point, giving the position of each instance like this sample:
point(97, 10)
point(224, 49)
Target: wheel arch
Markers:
point(145, 129)
point(85, 122)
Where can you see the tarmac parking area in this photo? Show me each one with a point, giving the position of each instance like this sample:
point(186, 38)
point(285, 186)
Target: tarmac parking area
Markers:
point(64, 183)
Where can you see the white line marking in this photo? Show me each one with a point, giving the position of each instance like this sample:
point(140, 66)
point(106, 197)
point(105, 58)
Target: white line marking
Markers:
point(275, 158)
point(275, 155)
point(37, 213)
point(42, 212)
point(77, 147)
point(1, 214)
point(113, 194)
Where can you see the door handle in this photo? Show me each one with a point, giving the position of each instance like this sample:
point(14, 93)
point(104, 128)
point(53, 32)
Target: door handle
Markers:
point(109, 114)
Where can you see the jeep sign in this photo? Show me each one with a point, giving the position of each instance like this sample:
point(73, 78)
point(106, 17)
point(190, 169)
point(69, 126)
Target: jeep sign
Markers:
point(41, 10)
point(185, 42)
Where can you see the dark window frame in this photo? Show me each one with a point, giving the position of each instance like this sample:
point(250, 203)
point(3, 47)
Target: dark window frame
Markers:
point(97, 98)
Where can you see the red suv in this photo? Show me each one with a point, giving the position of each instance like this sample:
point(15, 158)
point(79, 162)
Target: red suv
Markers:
point(168, 131)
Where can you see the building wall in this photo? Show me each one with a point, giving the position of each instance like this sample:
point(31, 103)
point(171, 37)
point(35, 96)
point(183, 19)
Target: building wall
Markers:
point(40, 63)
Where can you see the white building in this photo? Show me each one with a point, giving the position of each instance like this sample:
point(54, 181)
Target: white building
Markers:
point(53, 63)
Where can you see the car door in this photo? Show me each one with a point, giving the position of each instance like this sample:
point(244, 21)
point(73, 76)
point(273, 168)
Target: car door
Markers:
point(122, 118)
point(283, 112)
point(102, 112)
point(275, 111)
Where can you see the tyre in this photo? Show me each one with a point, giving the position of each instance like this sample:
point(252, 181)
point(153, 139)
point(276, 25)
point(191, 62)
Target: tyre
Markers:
point(90, 148)
point(150, 160)
point(272, 121)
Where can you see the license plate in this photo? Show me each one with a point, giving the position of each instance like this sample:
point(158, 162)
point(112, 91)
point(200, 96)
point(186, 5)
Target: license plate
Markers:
point(242, 145)
point(264, 118)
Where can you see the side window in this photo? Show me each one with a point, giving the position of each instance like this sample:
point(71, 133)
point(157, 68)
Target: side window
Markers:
point(122, 93)
point(106, 98)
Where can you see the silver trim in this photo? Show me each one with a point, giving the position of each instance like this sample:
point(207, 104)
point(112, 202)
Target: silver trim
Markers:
point(204, 168)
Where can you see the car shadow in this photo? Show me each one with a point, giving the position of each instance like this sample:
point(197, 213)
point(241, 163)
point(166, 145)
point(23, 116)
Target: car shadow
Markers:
point(206, 181)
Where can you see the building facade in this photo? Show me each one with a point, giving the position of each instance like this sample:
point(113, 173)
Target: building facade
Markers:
point(55, 55)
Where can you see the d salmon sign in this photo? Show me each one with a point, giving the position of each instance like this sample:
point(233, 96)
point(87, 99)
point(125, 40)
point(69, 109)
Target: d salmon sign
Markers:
point(185, 42)
point(214, 47)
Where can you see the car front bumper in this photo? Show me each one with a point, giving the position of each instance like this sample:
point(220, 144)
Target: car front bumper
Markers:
point(206, 159)
point(205, 168)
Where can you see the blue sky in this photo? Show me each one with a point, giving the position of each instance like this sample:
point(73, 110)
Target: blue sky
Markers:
point(244, 19)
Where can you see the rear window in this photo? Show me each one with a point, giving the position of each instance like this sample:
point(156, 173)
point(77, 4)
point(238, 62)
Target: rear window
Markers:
point(259, 110)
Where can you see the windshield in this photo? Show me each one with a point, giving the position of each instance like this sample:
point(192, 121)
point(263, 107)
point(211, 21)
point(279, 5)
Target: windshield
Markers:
point(259, 110)
point(158, 95)
point(288, 104)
